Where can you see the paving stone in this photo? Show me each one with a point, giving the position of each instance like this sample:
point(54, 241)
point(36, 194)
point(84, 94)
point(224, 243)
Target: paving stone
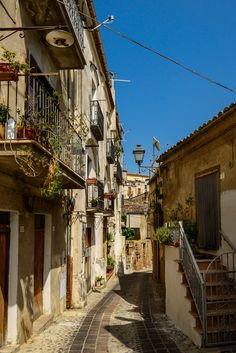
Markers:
point(128, 319)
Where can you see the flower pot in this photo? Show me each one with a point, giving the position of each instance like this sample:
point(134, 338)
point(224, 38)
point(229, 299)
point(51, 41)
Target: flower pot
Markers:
point(28, 133)
point(8, 73)
point(98, 283)
point(2, 131)
point(91, 181)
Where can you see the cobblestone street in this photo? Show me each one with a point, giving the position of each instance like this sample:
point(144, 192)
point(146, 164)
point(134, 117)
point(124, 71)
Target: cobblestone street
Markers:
point(126, 316)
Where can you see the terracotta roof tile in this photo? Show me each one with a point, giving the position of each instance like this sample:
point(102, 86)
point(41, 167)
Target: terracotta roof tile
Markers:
point(200, 129)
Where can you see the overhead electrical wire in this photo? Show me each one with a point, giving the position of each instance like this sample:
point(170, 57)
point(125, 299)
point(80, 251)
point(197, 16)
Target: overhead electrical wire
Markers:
point(170, 59)
point(154, 51)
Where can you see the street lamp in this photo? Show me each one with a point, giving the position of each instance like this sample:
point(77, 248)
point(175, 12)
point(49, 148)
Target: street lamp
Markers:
point(138, 153)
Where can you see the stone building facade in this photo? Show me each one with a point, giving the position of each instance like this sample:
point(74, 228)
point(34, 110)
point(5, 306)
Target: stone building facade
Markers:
point(60, 178)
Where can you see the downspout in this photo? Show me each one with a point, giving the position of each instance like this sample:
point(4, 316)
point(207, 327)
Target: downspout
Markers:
point(69, 266)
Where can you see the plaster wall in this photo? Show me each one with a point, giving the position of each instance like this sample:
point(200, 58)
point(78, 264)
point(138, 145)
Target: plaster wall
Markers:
point(216, 151)
point(54, 264)
point(138, 221)
point(178, 306)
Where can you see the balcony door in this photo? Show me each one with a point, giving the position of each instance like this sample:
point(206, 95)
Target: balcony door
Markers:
point(4, 268)
point(208, 210)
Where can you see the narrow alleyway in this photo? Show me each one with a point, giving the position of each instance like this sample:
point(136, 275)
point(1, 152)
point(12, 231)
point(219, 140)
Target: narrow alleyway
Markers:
point(127, 316)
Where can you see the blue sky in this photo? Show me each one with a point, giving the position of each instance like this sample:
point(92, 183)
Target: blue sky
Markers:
point(163, 100)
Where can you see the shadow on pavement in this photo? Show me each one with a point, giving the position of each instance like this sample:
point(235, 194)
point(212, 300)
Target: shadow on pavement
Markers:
point(137, 328)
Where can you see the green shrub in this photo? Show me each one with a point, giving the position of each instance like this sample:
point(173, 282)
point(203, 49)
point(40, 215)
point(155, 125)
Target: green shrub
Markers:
point(164, 235)
point(128, 233)
point(190, 229)
point(110, 262)
point(110, 237)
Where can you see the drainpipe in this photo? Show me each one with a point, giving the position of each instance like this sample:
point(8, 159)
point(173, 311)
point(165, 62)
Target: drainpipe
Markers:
point(69, 266)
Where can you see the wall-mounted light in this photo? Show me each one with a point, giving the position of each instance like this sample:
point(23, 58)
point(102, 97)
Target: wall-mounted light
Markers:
point(109, 20)
point(60, 38)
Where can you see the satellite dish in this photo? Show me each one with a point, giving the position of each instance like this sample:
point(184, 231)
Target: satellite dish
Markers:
point(60, 39)
point(156, 143)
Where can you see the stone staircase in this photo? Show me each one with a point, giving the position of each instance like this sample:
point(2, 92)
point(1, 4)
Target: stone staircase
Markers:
point(220, 301)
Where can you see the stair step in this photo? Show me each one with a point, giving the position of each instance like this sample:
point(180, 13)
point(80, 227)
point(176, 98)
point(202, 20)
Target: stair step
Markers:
point(221, 312)
point(226, 282)
point(221, 297)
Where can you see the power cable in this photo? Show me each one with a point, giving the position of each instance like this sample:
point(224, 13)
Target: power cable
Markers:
point(178, 63)
point(183, 66)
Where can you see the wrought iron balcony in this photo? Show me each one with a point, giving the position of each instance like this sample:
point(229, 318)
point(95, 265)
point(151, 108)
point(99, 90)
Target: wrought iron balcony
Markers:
point(109, 207)
point(75, 20)
point(118, 173)
point(41, 126)
point(110, 151)
point(97, 121)
point(95, 195)
point(64, 14)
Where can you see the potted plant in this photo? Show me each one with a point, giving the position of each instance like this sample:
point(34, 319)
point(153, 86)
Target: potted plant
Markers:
point(94, 202)
point(164, 235)
point(110, 237)
point(4, 112)
point(91, 181)
point(110, 263)
point(10, 67)
point(128, 233)
point(99, 281)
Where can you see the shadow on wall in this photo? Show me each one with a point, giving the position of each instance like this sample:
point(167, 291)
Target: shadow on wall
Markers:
point(26, 307)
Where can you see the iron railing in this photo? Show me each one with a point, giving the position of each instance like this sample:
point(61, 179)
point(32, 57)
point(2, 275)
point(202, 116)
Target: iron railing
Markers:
point(220, 278)
point(97, 120)
point(193, 277)
point(118, 172)
point(110, 151)
point(39, 118)
point(75, 19)
point(95, 195)
point(213, 290)
point(109, 206)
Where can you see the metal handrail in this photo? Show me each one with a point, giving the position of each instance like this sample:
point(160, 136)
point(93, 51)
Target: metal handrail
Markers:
point(228, 241)
point(194, 278)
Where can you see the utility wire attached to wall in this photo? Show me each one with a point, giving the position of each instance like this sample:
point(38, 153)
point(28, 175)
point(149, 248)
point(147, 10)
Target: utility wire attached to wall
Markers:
point(170, 59)
point(183, 66)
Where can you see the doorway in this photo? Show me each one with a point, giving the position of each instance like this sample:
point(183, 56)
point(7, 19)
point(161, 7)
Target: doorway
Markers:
point(4, 271)
point(88, 243)
point(39, 235)
point(208, 210)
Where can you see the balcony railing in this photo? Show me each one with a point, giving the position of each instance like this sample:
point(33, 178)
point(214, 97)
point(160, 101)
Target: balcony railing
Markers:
point(95, 195)
point(118, 173)
point(41, 120)
point(109, 207)
point(97, 121)
point(75, 20)
point(110, 151)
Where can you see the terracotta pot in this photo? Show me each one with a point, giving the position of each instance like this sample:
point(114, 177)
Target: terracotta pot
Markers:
point(8, 73)
point(28, 133)
point(176, 243)
point(2, 132)
point(91, 181)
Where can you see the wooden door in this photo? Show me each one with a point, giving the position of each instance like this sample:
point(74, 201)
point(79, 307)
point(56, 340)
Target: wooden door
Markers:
point(208, 210)
point(4, 268)
point(88, 258)
point(38, 265)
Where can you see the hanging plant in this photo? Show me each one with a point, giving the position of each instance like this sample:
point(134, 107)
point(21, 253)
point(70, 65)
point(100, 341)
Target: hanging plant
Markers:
point(53, 182)
point(30, 162)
